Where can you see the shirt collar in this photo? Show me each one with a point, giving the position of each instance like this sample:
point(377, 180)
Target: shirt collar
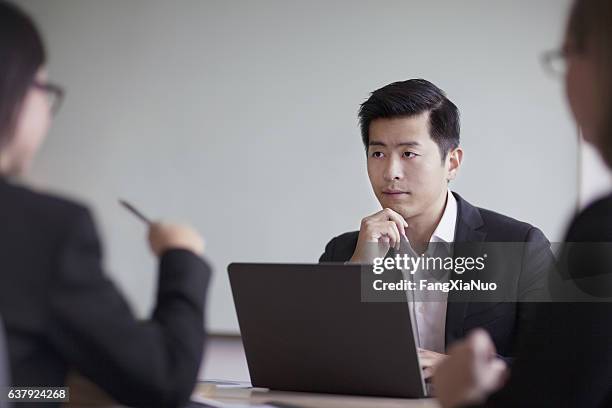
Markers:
point(445, 231)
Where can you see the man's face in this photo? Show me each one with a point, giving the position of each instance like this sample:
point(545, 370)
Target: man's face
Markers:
point(405, 166)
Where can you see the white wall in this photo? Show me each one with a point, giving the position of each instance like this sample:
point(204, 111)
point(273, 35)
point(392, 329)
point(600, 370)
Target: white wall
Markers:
point(240, 117)
point(594, 177)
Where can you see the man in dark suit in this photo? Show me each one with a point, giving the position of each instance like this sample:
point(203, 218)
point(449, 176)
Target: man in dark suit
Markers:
point(411, 134)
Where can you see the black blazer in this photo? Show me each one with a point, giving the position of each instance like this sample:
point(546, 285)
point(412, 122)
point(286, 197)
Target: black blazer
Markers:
point(565, 360)
point(61, 311)
point(525, 274)
point(4, 379)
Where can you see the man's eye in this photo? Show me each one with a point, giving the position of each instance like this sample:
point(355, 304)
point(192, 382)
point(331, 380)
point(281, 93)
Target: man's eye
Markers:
point(377, 154)
point(409, 155)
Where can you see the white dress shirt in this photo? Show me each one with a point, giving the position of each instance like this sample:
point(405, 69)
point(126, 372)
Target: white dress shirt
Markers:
point(430, 315)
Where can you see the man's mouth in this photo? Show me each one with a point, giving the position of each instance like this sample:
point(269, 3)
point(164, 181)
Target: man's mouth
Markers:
point(394, 192)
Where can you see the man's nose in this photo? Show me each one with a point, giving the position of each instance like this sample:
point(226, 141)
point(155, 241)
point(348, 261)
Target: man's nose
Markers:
point(393, 170)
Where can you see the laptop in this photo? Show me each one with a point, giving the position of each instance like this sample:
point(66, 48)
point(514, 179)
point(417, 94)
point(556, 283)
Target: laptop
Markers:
point(305, 328)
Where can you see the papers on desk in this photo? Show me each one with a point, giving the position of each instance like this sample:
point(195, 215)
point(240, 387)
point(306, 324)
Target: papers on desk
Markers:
point(227, 384)
point(206, 391)
point(221, 388)
point(210, 403)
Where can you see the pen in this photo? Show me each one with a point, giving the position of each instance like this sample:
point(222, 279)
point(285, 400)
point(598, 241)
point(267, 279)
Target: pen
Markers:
point(135, 211)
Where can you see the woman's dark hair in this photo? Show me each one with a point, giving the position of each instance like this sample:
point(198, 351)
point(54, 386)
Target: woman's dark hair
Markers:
point(22, 54)
point(590, 31)
point(410, 98)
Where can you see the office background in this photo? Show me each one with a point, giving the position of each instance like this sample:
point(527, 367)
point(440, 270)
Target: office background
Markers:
point(240, 117)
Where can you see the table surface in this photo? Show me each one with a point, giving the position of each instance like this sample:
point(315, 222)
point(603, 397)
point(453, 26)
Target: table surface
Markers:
point(212, 394)
point(88, 395)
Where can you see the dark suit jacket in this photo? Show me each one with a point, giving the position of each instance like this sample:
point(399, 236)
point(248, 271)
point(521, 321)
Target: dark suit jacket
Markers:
point(4, 379)
point(61, 311)
point(565, 359)
point(525, 274)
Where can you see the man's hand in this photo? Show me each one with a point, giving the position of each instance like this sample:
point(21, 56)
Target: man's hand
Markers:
point(164, 236)
point(430, 360)
point(470, 373)
point(384, 228)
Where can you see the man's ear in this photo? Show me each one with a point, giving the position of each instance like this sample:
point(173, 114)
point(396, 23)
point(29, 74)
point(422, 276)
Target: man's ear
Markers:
point(454, 159)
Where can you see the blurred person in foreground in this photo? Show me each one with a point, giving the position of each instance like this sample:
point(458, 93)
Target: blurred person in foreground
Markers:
point(566, 361)
point(59, 308)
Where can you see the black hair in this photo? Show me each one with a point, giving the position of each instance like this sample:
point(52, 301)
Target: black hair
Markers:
point(410, 98)
point(22, 54)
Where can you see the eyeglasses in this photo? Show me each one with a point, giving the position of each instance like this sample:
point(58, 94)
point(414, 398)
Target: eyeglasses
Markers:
point(55, 94)
point(555, 61)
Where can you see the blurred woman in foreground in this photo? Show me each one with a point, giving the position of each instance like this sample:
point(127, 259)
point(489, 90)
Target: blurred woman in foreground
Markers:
point(59, 309)
point(567, 359)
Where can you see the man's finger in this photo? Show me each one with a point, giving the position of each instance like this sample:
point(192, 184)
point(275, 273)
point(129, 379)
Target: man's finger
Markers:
point(426, 363)
point(397, 219)
point(389, 230)
point(392, 228)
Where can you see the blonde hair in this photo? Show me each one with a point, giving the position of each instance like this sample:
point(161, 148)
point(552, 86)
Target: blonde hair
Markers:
point(590, 30)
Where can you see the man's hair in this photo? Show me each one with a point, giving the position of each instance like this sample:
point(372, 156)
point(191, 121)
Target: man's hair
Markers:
point(410, 98)
point(22, 54)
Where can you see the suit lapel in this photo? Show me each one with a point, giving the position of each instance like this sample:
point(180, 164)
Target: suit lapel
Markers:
point(469, 232)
